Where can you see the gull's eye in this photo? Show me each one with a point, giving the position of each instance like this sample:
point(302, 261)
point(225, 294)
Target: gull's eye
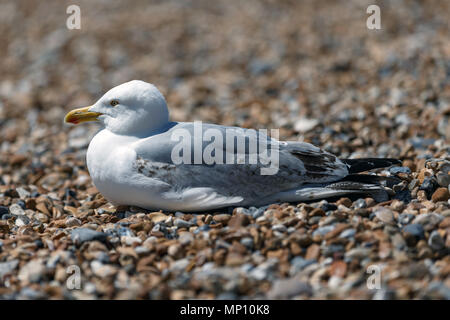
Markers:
point(114, 103)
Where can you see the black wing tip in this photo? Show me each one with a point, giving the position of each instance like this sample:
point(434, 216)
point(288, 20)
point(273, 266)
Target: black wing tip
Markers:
point(365, 164)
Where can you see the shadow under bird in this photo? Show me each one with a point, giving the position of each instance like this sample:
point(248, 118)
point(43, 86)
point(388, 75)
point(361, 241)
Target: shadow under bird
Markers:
point(131, 161)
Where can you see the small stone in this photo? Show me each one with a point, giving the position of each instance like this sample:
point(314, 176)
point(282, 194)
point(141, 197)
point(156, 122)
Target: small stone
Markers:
point(247, 242)
point(157, 217)
point(238, 221)
point(428, 220)
point(222, 218)
point(412, 233)
point(289, 288)
point(42, 207)
point(130, 241)
point(348, 233)
point(7, 267)
point(22, 193)
point(357, 253)
point(33, 271)
point(313, 252)
point(81, 235)
point(413, 184)
point(397, 170)
point(181, 223)
point(405, 218)
point(16, 210)
point(435, 241)
point(304, 125)
point(103, 270)
point(345, 202)
point(298, 264)
point(359, 204)
point(338, 268)
point(422, 196)
point(323, 230)
point(429, 185)
point(186, 238)
point(175, 250)
point(22, 221)
point(3, 210)
point(73, 222)
point(445, 223)
point(441, 194)
point(280, 228)
point(385, 215)
point(443, 179)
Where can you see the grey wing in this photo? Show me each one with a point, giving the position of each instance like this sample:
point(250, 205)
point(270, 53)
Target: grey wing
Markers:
point(295, 164)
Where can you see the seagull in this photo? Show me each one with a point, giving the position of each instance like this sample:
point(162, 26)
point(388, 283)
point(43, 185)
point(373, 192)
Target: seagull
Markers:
point(131, 160)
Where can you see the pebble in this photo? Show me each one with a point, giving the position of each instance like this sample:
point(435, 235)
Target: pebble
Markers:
point(443, 179)
point(33, 271)
point(3, 210)
point(22, 221)
point(102, 270)
point(312, 253)
point(429, 185)
point(385, 215)
point(7, 267)
point(180, 223)
point(81, 235)
point(441, 194)
point(428, 220)
point(359, 204)
point(73, 222)
point(16, 210)
point(304, 125)
point(130, 241)
point(413, 232)
point(289, 288)
point(348, 233)
point(222, 218)
point(397, 170)
point(280, 228)
point(435, 241)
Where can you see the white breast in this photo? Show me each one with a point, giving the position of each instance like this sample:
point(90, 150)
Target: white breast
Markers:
point(109, 160)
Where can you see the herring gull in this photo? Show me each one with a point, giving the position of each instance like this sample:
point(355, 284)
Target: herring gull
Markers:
point(132, 161)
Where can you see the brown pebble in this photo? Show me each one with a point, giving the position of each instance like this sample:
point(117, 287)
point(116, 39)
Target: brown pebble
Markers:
point(345, 202)
point(445, 223)
point(238, 221)
point(313, 252)
point(42, 207)
point(222, 218)
point(338, 268)
point(441, 194)
point(316, 212)
point(422, 195)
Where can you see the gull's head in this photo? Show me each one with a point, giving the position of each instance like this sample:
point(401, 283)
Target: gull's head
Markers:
point(132, 108)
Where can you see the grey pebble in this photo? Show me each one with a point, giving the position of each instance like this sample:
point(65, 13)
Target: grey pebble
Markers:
point(415, 229)
point(348, 233)
point(17, 210)
point(323, 230)
point(435, 241)
point(7, 267)
point(180, 223)
point(81, 235)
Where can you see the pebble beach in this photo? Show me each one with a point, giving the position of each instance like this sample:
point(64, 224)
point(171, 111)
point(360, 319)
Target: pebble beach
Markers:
point(311, 69)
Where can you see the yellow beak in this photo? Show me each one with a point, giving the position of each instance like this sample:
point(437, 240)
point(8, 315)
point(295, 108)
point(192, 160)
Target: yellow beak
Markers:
point(80, 115)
